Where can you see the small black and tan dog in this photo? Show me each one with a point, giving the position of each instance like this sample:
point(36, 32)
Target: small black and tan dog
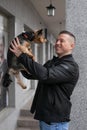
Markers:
point(26, 39)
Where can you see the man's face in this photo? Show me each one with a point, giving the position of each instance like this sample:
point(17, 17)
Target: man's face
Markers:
point(64, 44)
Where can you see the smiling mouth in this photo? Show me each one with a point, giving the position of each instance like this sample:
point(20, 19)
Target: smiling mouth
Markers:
point(58, 47)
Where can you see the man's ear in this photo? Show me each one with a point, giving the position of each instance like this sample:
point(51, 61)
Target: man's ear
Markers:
point(72, 45)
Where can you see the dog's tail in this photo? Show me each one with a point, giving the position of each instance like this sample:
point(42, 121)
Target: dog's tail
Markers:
point(6, 81)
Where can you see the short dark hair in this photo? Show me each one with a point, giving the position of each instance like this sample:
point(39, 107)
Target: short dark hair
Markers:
point(69, 33)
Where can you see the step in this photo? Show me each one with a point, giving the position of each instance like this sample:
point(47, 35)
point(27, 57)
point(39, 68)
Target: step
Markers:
point(27, 122)
point(22, 128)
point(25, 112)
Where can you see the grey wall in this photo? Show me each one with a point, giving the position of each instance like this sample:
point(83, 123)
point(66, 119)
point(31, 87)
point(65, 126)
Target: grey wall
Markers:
point(76, 22)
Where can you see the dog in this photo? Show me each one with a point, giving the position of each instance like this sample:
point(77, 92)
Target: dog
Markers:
point(26, 39)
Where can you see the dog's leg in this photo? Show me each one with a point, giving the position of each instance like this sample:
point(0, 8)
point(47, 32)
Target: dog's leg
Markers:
point(27, 50)
point(17, 75)
point(19, 81)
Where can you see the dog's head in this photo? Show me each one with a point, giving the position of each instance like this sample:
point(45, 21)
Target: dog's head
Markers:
point(33, 36)
point(39, 38)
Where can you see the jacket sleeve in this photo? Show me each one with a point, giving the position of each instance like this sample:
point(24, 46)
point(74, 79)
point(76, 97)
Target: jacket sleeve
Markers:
point(56, 74)
point(28, 75)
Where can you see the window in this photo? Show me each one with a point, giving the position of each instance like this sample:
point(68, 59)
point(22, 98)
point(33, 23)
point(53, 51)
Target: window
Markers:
point(3, 61)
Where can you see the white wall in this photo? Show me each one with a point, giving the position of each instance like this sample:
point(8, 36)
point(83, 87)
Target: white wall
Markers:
point(24, 11)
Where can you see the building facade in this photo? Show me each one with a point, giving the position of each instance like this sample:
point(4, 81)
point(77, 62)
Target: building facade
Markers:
point(76, 19)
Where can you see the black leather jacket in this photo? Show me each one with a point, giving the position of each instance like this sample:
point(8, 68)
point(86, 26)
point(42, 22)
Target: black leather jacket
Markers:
point(57, 79)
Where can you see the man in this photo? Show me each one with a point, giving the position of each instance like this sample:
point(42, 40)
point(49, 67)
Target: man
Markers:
point(57, 79)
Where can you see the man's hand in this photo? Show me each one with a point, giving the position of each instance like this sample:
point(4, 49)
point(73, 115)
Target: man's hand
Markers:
point(27, 51)
point(15, 44)
point(18, 49)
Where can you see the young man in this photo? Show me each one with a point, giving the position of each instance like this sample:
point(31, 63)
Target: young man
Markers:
point(57, 79)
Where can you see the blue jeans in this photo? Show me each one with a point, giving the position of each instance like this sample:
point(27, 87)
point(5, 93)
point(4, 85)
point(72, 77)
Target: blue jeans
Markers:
point(54, 126)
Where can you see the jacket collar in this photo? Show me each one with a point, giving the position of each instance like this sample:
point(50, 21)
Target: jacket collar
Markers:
point(55, 58)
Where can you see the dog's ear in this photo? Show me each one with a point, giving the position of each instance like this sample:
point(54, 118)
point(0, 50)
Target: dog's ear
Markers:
point(39, 32)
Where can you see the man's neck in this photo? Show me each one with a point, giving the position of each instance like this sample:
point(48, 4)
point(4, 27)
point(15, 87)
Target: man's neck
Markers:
point(60, 56)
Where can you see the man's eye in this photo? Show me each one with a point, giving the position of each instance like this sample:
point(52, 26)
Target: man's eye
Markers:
point(61, 40)
point(56, 40)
